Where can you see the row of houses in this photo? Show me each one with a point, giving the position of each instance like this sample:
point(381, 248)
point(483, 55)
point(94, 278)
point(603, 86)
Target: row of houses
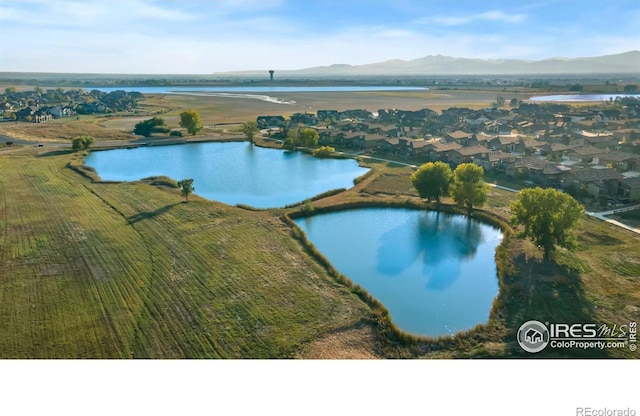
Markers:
point(38, 106)
point(43, 114)
point(596, 150)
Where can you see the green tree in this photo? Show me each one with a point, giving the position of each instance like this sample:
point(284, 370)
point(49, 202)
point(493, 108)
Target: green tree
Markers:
point(548, 217)
point(500, 101)
point(82, 142)
point(432, 180)
point(308, 137)
point(631, 88)
point(468, 187)
point(291, 140)
point(191, 121)
point(147, 127)
point(186, 188)
point(250, 128)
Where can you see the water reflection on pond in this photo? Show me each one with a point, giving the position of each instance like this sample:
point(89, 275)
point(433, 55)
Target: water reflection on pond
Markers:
point(435, 272)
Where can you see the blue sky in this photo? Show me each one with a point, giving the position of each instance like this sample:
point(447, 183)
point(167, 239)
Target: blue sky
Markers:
point(200, 37)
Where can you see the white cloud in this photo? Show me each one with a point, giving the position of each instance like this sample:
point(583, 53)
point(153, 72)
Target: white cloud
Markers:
point(493, 15)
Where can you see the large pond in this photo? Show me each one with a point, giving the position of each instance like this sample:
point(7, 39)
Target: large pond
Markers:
point(435, 272)
point(233, 173)
point(581, 97)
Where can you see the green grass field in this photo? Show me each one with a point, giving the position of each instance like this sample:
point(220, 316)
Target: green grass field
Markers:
point(128, 270)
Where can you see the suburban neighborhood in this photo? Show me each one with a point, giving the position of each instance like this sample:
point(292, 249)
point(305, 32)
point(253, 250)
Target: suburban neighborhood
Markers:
point(591, 152)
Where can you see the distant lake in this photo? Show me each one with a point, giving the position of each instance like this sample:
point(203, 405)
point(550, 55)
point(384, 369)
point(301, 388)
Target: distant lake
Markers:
point(581, 97)
point(434, 272)
point(177, 90)
point(233, 173)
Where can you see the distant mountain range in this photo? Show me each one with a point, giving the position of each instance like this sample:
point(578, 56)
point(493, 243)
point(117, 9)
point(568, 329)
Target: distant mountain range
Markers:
point(623, 63)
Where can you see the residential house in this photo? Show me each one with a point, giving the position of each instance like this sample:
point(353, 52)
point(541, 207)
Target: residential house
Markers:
point(466, 154)
point(306, 119)
point(493, 161)
point(631, 189)
point(585, 154)
point(534, 168)
point(626, 135)
point(439, 150)
point(498, 127)
point(60, 112)
point(598, 182)
point(327, 115)
point(368, 141)
point(382, 129)
point(352, 139)
point(507, 143)
point(458, 136)
point(476, 119)
point(390, 145)
point(604, 116)
point(622, 161)
point(419, 147)
point(266, 122)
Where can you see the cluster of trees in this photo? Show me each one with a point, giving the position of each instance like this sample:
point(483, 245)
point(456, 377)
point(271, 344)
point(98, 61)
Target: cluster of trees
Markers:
point(465, 184)
point(547, 217)
point(189, 119)
point(500, 101)
point(154, 125)
point(301, 136)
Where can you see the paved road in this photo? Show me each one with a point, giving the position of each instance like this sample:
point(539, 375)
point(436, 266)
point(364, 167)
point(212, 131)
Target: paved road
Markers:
point(5, 139)
point(603, 217)
point(377, 158)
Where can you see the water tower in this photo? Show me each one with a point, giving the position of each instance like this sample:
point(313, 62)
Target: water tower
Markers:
point(271, 71)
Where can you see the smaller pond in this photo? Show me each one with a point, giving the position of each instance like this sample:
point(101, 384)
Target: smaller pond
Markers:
point(581, 97)
point(435, 272)
point(233, 173)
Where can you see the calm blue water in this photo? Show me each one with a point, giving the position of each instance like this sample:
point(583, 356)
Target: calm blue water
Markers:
point(581, 97)
point(231, 172)
point(173, 89)
point(435, 272)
